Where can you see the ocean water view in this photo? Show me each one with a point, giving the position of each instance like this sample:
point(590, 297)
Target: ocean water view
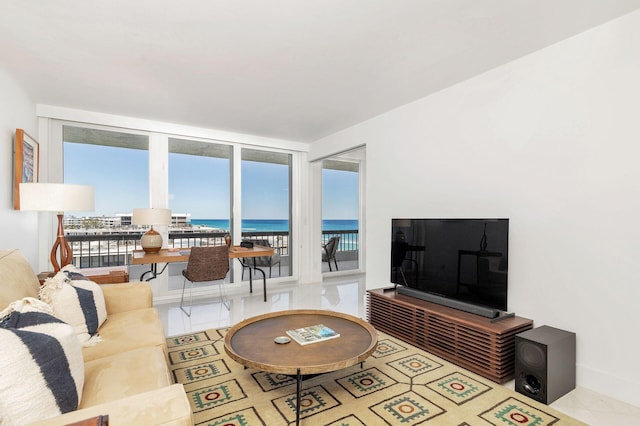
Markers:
point(265, 225)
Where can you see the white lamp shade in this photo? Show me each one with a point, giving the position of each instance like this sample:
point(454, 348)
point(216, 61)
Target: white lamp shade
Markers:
point(151, 216)
point(56, 197)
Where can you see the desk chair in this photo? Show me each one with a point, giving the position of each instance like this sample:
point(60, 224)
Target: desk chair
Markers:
point(263, 261)
point(329, 251)
point(269, 261)
point(205, 264)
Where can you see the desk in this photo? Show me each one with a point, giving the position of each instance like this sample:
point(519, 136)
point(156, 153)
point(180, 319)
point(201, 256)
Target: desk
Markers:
point(166, 256)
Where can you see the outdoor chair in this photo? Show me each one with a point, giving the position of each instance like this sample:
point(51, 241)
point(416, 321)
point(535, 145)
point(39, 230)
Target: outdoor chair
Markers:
point(264, 261)
point(329, 251)
point(205, 264)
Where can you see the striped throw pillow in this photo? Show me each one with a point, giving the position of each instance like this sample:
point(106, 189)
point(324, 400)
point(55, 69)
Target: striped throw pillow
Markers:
point(78, 302)
point(41, 365)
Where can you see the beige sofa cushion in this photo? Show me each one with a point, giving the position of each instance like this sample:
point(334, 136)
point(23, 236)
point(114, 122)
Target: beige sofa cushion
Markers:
point(168, 406)
point(127, 296)
point(15, 269)
point(125, 331)
point(124, 374)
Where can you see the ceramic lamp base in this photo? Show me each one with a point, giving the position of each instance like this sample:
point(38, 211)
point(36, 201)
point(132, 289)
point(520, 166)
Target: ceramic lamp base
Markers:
point(151, 242)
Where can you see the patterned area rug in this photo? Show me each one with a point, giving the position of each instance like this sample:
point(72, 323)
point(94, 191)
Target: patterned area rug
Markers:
point(398, 385)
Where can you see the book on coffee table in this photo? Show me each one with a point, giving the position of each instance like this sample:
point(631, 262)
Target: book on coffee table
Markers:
point(312, 334)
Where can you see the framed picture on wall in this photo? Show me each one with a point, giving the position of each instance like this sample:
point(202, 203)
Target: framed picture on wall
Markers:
point(26, 163)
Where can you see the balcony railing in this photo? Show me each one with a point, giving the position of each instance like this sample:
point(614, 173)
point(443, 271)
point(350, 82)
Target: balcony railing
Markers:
point(116, 249)
point(348, 239)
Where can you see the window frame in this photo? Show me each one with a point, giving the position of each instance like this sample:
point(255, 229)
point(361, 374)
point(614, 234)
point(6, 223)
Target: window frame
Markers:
point(158, 179)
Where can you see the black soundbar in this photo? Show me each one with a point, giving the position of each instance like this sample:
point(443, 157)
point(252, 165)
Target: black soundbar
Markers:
point(451, 303)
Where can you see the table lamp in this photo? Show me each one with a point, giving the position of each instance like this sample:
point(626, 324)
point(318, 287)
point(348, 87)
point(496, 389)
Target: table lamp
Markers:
point(151, 241)
point(57, 197)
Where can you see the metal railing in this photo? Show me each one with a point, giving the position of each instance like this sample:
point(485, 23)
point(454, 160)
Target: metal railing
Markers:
point(348, 239)
point(103, 250)
point(277, 239)
point(116, 249)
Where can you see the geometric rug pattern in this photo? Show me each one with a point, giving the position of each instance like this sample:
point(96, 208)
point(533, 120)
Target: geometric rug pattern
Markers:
point(398, 384)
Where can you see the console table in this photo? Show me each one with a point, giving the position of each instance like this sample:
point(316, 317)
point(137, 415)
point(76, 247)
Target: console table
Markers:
point(476, 343)
point(105, 275)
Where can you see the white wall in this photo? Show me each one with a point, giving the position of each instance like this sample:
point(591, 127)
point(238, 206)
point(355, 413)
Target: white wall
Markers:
point(551, 141)
point(18, 229)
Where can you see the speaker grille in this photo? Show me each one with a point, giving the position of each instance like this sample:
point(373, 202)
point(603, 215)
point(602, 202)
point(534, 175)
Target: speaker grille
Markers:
point(531, 355)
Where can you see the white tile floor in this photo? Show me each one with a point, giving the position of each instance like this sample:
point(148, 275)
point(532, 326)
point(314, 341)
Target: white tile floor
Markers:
point(347, 294)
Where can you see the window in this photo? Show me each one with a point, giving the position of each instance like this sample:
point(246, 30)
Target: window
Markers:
point(203, 182)
point(266, 206)
point(199, 197)
point(340, 212)
point(116, 165)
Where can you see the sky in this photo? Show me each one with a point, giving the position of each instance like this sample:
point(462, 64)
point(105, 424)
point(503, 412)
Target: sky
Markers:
point(197, 185)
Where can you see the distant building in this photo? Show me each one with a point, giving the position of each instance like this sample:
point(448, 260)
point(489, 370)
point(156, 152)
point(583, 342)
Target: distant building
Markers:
point(72, 222)
point(125, 219)
point(120, 220)
point(181, 219)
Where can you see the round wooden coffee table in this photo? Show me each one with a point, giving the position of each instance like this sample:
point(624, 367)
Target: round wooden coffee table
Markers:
point(251, 343)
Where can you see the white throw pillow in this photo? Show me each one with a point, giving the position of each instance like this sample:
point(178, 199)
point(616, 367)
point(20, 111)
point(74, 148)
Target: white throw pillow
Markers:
point(41, 365)
point(78, 302)
point(27, 304)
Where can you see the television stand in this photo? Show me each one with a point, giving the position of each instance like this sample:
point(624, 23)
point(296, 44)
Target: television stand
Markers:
point(470, 341)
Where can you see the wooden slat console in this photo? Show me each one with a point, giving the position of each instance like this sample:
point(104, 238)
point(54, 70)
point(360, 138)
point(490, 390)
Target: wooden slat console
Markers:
point(470, 341)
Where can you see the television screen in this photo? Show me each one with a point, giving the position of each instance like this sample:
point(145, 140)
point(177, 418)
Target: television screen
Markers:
point(460, 259)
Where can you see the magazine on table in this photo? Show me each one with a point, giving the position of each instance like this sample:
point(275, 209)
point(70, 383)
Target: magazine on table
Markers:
point(312, 334)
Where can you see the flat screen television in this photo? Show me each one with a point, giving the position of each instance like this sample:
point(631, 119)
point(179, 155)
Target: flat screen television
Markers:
point(459, 260)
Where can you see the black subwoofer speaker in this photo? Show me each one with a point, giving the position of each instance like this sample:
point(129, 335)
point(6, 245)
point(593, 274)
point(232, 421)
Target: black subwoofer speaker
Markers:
point(545, 363)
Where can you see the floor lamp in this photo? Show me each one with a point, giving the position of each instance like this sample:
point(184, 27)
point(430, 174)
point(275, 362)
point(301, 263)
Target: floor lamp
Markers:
point(57, 197)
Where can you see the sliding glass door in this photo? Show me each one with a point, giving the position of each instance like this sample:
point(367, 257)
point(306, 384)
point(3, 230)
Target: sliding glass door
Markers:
point(341, 213)
point(266, 207)
point(199, 198)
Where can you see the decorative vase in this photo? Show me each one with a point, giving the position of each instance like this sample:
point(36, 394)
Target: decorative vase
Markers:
point(227, 239)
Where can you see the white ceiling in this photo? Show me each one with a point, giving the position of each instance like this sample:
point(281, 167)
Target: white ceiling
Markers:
point(289, 69)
